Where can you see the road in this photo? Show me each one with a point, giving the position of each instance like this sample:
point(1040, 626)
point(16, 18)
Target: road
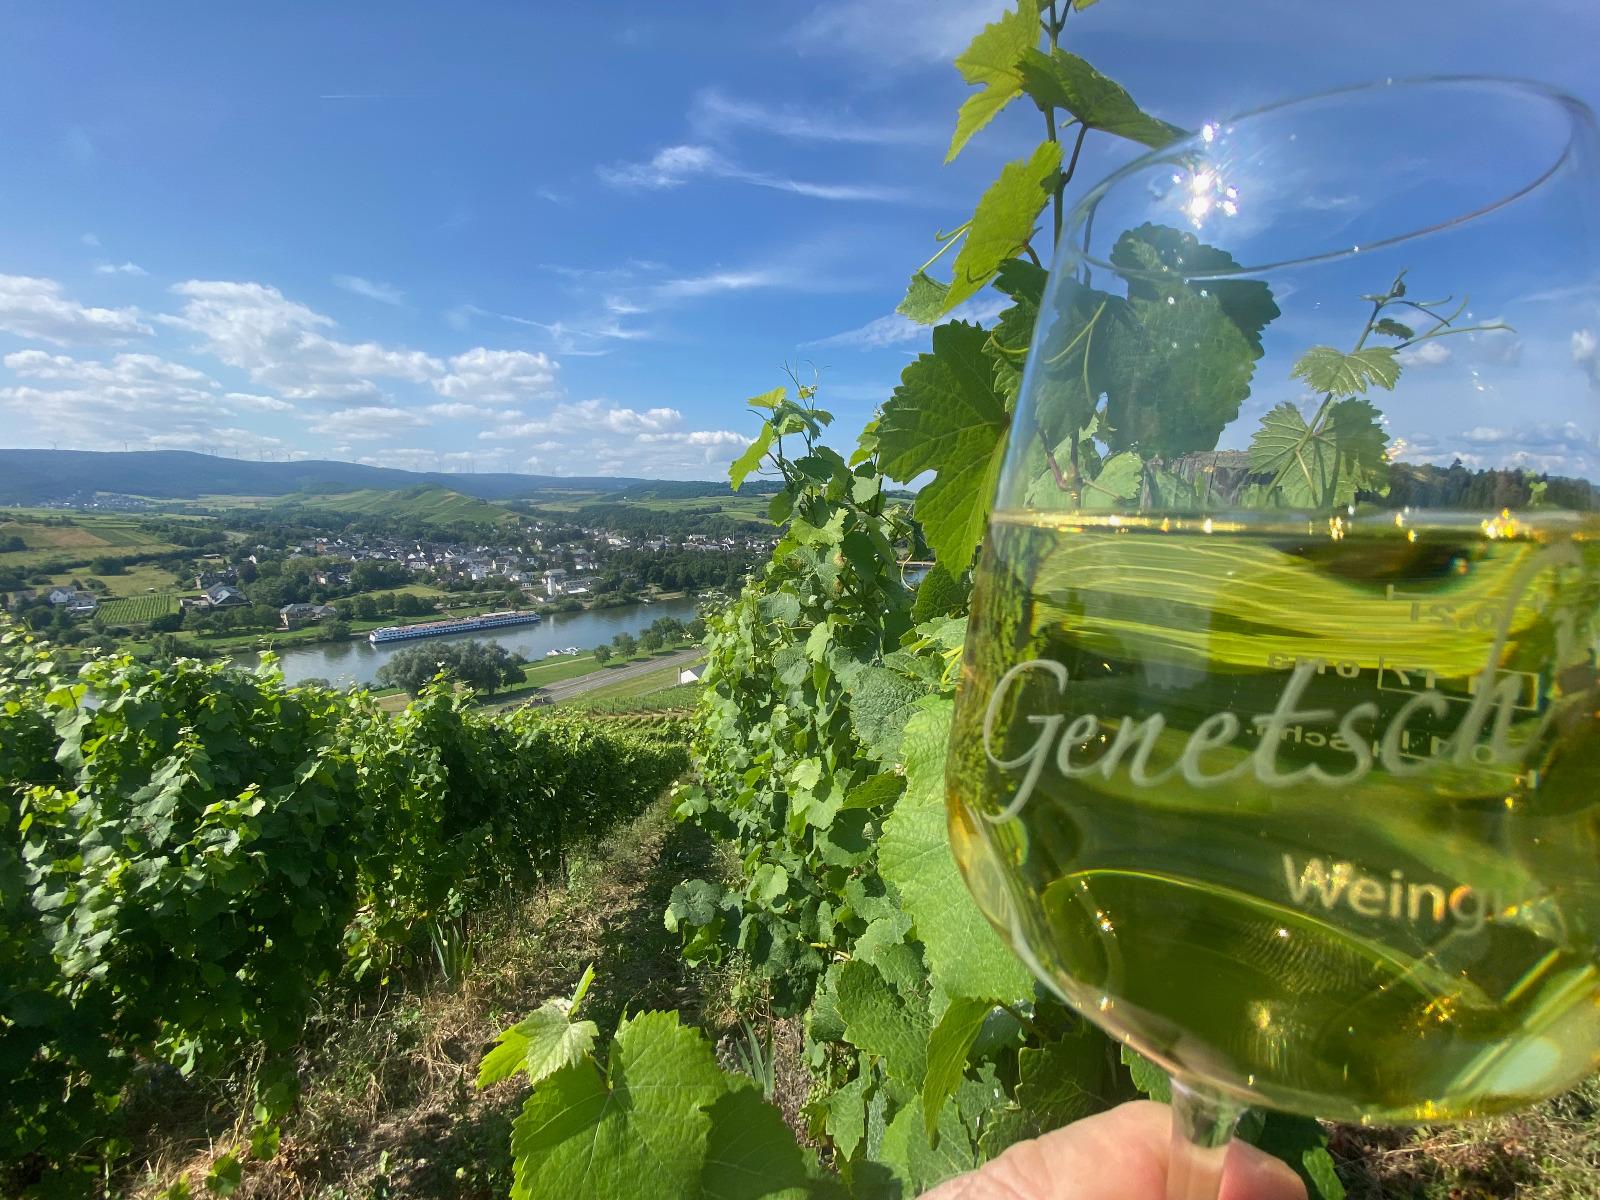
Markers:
point(605, 676)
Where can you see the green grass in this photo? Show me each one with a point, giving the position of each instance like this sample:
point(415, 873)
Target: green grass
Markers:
point(638, 685)
point(138, 610)
point(135, 581)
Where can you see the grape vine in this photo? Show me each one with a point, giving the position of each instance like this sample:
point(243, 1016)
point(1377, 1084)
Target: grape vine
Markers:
point(821, 736)
point(189, 854)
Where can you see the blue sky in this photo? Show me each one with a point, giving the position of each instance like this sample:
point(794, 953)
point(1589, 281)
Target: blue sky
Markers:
point(553, 237)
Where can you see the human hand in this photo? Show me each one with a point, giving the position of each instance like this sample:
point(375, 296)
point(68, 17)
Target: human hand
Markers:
point(1116, 1155)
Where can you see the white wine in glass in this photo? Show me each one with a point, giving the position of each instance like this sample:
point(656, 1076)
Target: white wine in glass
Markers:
point(1276, 751)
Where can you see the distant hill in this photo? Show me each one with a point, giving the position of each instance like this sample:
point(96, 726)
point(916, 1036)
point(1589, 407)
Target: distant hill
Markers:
point(43, 476)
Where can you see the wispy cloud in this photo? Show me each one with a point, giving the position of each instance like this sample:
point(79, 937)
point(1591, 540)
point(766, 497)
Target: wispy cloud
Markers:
point(124, 268)
point(675, 166)
point(578, 338)
point(895, 33)
point(714, 113)
point(895, 330)
point(383, 293)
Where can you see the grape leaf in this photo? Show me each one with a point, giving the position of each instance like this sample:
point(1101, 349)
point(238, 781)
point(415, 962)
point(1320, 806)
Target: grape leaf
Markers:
point(880, 704)
point(1335, 373)
point(693, 903)
point(1003, 221)
point(991, 62)
point(1063, 80)
point(750, 1153)
point(1304, 462)
point(1119, 480)
point(1062, 1081)
point(1303, 1144)
point(1013, 330)
point(964, 954)
point(925, 299)
point(1325, 465)
point(1176, 374)
point(741, 467)
point(1363, 446)
point(545, 1042)
point(640, 1132)
point(915, 1158)
point(1389, 327)
point(1150, 254)
point(878, 1020)
point(846, 1120)
point(952, 1038)
point(1147, 1077)
point(938, 593)
point(945, 417)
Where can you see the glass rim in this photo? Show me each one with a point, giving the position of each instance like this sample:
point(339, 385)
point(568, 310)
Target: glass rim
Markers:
point(1576, 113)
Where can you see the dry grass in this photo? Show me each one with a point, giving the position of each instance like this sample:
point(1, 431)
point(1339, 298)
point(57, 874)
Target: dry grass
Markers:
point(389, 1106)
point(1551, 1152)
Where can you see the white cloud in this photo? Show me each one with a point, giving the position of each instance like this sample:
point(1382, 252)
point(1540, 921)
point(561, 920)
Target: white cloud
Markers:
point(1586, 354)
point(251, 402)
point(499, 376)
point(125, 370)
point(713, 113)
point(383, 293)
point(33, 307)
point(89, 239)
point(589, 416)
point(675, 166)
point(280, 343)
point(698, 437)
point(1426, 354)
point(367, 422)
point(131, 400)
point(125, 268)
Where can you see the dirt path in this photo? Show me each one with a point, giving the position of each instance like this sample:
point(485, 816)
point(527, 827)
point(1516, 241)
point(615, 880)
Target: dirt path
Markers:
point(390, 1107)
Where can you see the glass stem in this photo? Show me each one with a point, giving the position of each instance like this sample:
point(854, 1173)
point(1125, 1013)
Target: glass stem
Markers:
point(1202, 1126)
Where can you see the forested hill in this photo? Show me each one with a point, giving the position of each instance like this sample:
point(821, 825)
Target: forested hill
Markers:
point(42, 476)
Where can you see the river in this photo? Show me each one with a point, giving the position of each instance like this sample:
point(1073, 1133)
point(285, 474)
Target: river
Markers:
point(356, 661)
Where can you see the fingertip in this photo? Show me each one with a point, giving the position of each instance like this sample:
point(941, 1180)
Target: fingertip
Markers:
point(1252, 1174)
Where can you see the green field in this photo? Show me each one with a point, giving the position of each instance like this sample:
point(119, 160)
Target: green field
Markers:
point(435, 505)
point(138, 610)
point(52, 537)
point(137, 580)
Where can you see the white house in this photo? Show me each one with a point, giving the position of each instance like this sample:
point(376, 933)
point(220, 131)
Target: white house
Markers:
point(691, 674)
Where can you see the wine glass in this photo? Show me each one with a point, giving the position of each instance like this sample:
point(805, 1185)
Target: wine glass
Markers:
point(1276, 748)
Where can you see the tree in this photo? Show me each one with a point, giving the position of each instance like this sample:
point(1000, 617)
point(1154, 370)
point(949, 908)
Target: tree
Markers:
point(336, 630)
point(602, 655)
point(626, 645)
point(408, 604)
point(366, 608)
point(167, 622)
point(108, 566)
point(483, 666)
point(650, 641)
